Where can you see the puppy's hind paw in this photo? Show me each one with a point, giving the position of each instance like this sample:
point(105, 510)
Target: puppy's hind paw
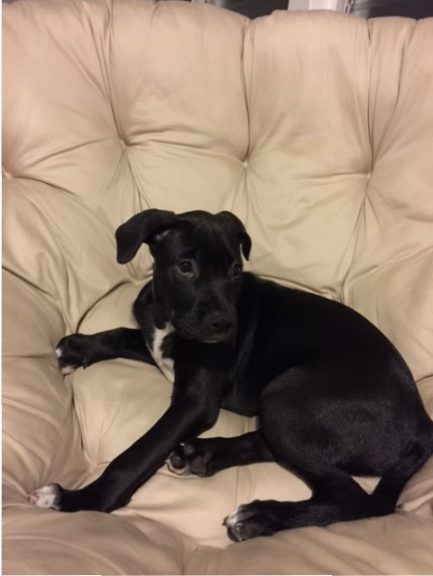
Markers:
point(48, 496)
point(176, 462)
point(188, 458)
point(252, 520)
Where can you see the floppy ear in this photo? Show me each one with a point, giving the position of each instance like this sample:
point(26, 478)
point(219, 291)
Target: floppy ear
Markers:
point(143, 227)
point(237, 227)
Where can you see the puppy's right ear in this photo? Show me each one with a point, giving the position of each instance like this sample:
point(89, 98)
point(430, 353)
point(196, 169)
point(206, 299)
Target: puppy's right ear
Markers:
point(143, 227)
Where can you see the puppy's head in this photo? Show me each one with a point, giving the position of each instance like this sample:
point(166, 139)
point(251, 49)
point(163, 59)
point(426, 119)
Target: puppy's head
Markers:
point(197, 267)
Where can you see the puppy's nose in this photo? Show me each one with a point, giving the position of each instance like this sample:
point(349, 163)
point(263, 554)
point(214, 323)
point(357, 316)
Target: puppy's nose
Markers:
point(220, 322)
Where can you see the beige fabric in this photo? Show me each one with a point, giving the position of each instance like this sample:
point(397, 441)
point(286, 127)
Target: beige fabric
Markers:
point(317, 130)
point(39, 542)
point(309, 153)
point(39, 423)
point(392, 545)
point(393, 260)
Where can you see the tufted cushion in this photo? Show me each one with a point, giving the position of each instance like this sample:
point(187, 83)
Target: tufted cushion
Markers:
point(316, 130)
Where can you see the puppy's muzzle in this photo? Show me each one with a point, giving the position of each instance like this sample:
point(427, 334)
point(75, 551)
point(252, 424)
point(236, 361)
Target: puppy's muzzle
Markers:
point(220, 326)
point(211, 328)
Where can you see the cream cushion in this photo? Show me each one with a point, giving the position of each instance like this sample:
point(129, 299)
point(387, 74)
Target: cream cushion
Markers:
point(316, 129)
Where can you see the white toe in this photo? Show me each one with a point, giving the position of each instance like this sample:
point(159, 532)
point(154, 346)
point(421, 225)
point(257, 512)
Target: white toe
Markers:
point(45, 497)
point(67, 370)
point(178, 471)
point(232, 520)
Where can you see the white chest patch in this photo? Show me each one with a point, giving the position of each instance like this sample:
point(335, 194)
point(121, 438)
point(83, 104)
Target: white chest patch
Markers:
point(166, 365)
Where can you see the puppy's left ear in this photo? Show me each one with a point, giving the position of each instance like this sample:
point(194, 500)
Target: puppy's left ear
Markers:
point(148, 226)
point(236, 227)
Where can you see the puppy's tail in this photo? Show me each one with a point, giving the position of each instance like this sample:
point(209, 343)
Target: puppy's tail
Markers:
point(387, 492)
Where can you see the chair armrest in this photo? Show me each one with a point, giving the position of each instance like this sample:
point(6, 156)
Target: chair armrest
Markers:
point(41, 438)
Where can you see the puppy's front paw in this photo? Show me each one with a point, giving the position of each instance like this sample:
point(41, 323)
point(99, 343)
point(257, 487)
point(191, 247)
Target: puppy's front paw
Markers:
point(48, 496)
point(73, 352)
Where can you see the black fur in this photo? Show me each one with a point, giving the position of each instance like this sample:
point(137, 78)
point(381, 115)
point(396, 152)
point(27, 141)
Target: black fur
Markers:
point(333, 396)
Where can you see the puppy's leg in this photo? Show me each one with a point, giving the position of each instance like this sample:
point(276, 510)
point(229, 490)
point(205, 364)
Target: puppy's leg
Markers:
point(194, 409)
point(82, 350)
point(335, 499)
point(322, 447)
point(206, 456)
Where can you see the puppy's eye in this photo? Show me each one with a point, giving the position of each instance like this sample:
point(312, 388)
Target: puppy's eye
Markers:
point(236, 270)
point(185, 267)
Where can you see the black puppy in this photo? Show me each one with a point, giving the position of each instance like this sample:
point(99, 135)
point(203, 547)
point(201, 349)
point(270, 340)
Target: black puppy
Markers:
point(333, 396)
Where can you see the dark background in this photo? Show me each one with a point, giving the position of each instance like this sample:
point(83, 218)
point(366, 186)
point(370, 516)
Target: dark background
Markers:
point(410, 8)
point(366, 8)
